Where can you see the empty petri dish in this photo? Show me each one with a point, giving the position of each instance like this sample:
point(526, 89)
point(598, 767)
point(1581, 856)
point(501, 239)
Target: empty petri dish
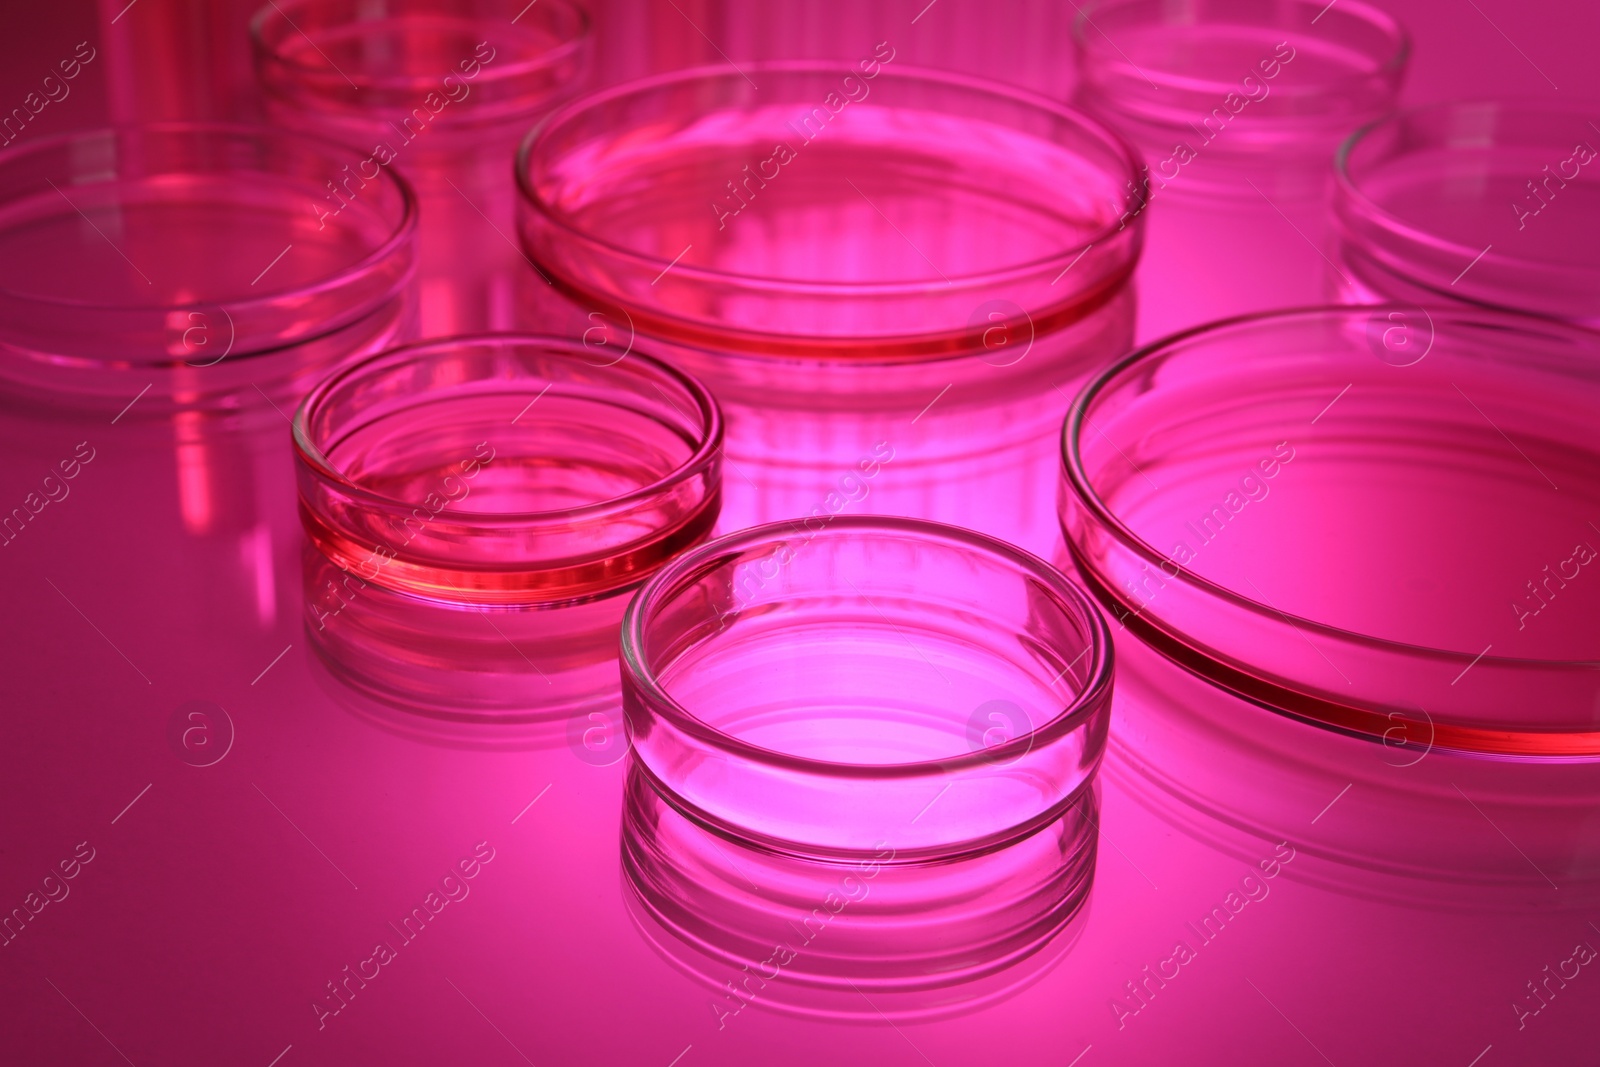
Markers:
point(441, 92)
point(813, 691)
point(832, 247)
point(1231, 79)
point(189, 261)
point(878, 697)
point(1379, 521)
point(475, 509)
point(1491, 203)
point(1237, 106)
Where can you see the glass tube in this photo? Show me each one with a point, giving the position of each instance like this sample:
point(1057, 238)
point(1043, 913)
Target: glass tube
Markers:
point(868, 695)
point(440, 91)
point(892, 279)
point(477, 508)
point(1351, 516)
point(1237, 107)
point(1489, 203)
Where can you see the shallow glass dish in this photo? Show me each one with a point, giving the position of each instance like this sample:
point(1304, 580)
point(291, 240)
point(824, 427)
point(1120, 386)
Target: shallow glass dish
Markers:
point(188, 260)
point(815, 691)
point(504, 476)
point(1493, 203)
point(1345, 513)
point(863, 261)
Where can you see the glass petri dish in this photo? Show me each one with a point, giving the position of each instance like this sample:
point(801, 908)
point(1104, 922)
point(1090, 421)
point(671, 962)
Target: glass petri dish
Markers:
point(1492, 203)
point(1374, 521)
point(441, 92)
point(1230, 79)
point(476, 507)
point(813, 690)
point(994, 191)
point(836, 250)
point(1351, 514)
point(1237, 107)
point(349, 60)
point(892, 715)
point(188, 260)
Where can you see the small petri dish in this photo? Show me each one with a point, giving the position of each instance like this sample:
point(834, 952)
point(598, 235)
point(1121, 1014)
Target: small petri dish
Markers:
point(1231, 79)
point(1358, 516)
point(1493, 203)
point(415, 63)
point(477, 507)
point(189, 261)
point(882, 690)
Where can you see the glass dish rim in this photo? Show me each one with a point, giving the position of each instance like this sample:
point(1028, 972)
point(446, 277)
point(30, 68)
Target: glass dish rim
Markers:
point(705, 455)
point(1347, 191)
point(1398, 55)
point(1129, 159)
point(401, 235)
point(640, 677)
point(506, 72)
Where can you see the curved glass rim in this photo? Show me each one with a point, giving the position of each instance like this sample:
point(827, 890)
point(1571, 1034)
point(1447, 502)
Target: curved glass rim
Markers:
point(1399, 54)
point(704, 454)
point(1077, 476)
point(1129, 158)
point(689, 566)
point(1348, 188)
point(504, 72)
point(402, 232)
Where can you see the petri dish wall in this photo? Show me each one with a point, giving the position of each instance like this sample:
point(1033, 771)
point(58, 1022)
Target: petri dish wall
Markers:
point(1237, 107)
point(882, 696)
point(892, 279)
point(477, 510)
point(1377, 521)
point(1493, 203)
point(440, 92)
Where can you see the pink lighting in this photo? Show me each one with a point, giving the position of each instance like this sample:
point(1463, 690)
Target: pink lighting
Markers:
point(706, 533)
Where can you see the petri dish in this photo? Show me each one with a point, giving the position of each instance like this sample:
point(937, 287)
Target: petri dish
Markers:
point(831, 246)
point(1230, 79)
point(891, 715)
point(1344, 513)
point(1491, 203)
point(440, 92)
point(188, 259)
point(1237, 106)
point(813, 690)
point(476, 508)
point(1347, 549)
